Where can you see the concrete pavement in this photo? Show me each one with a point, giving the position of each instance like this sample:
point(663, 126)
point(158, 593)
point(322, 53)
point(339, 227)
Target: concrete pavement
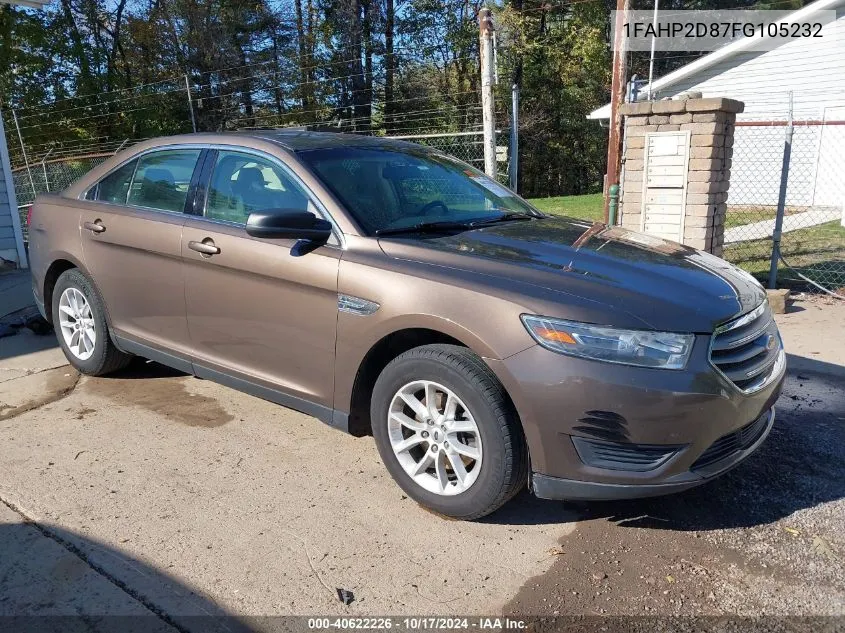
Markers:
point(186, 498)
point(764, 228)
point(258, 509)
point(15, 293)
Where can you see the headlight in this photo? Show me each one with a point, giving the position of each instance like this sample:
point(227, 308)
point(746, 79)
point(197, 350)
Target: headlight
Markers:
point(644, 348)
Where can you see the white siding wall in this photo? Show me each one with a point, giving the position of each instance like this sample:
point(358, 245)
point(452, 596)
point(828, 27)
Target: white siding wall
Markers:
point(814, 70)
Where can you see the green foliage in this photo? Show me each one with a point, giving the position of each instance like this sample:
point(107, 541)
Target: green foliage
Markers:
point(88, 74)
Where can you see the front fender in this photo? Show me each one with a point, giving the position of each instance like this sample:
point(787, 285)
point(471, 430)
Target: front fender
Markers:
point(490, 326)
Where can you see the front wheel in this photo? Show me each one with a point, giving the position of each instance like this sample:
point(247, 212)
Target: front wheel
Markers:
point(447, 432)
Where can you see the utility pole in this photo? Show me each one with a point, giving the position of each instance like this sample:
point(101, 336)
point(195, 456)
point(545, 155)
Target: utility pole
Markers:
point(488, 105)
point(514, 164)
point(651, 57)
point(617, 97)
point(190, 104)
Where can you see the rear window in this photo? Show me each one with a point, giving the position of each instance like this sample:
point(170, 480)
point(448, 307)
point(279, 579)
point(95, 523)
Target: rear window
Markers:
point(163, 178)
point(114, 187)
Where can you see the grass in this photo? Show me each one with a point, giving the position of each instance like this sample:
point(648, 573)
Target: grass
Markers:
point(744, 216)
point(588, 207)
point(818, 251)
point(591, 207)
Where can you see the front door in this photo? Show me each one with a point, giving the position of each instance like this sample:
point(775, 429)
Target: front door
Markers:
point(259, 309)
point(131, 229)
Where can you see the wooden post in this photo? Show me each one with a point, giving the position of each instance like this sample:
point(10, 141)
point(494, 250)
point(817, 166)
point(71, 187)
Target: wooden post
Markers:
point(617, 97)
point(488, 105)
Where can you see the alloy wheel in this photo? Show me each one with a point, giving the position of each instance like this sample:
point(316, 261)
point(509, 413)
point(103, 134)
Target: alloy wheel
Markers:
point(77, 323)
point(434, 437)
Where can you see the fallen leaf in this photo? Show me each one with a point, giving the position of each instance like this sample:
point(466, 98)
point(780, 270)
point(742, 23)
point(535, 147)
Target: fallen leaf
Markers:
point(345, 596)
point(670, 579)
point(821, 546)
point(792, 531)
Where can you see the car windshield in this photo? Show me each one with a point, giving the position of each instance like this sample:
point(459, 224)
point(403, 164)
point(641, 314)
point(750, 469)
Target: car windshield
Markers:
point(387, 189)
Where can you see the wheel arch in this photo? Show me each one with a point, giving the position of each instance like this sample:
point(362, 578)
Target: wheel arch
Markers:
point(377, 357)
point(60, 264)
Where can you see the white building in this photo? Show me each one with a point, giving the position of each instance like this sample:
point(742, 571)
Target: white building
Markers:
point(813, 71)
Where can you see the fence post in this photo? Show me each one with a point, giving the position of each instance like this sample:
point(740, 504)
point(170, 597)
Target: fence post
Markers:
point(784, 181)
point(514, 165)
point(613, 205)
point(44, 169)
point(488, 106)
point(190, 104)
point(23, 151)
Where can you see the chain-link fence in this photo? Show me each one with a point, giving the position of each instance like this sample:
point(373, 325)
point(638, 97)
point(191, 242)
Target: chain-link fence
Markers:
point(466, 146)
point(787, 178)
point(55, 174)
point(51, 175)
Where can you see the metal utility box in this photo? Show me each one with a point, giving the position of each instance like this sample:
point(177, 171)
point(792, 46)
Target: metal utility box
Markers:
point(665, 163)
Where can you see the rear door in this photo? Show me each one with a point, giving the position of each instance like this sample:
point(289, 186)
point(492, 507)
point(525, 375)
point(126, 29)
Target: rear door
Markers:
point(132, 238)
point(258, 309)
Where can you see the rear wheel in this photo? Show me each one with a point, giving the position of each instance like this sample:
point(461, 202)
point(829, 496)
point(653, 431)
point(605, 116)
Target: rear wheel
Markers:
point(80, 324)
point(447, 432)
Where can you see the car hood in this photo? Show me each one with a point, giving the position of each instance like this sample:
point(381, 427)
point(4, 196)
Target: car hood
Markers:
point(639, 278)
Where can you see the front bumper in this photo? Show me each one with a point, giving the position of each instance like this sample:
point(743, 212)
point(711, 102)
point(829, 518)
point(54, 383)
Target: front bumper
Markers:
point(546, 487)
point(566, 403)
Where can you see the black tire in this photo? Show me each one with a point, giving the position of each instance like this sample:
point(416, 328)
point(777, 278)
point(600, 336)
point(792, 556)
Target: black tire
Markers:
point(106, 358)
point(504, 465)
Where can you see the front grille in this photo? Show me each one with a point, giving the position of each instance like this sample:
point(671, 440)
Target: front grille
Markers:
point(621, 455)
point(748, 350)
point(733, 442)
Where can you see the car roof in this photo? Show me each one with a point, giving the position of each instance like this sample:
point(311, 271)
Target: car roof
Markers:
point(297, 140)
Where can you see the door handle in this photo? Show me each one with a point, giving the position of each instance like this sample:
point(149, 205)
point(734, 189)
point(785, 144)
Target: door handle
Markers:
point(95, 227)
point(205, 247)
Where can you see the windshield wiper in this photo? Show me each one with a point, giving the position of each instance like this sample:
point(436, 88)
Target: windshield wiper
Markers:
point(452, 225)
point(506, 217)
point(427, 227)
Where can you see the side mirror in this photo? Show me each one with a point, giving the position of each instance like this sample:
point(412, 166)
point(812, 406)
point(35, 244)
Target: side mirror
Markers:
point(288, 224)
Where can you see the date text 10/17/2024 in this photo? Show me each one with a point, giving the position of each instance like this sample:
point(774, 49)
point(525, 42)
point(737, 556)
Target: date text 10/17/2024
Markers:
point(421, 623)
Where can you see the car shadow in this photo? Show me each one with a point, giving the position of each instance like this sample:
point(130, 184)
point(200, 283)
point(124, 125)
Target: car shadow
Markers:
point(143, 369)
point(799, 466)
point(54, 579)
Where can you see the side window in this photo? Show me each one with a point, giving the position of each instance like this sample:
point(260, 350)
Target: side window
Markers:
point(163, 178)
point(115, 186)
point(242, 183)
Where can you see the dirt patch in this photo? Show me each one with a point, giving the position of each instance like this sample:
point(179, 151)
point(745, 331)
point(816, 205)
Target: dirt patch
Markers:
point(45, 388)
point(79, 413)
point(604, 568)
point(160, 391)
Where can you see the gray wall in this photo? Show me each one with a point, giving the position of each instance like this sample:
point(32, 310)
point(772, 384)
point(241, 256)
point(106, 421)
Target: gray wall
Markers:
point(11, 240)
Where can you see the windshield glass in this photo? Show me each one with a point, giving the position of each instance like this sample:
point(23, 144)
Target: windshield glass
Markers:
point(392, 188)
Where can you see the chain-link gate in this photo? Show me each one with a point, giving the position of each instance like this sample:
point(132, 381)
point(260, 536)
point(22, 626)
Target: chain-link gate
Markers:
point(787, 182)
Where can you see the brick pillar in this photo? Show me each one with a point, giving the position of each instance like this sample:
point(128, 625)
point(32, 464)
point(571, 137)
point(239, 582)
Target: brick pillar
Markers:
point(701, 195)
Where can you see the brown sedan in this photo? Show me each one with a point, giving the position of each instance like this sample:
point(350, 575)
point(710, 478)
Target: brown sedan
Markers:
point(389, 289)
